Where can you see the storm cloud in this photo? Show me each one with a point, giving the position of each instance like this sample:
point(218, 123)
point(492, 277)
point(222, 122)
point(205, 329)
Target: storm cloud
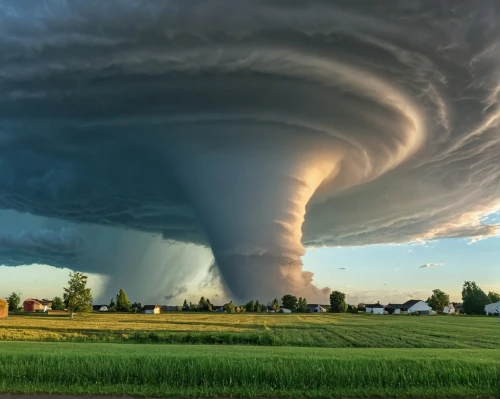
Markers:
point(254, 128)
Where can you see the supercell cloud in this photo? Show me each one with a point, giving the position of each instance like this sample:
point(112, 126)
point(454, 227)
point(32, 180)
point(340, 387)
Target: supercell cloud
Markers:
point(253, 128)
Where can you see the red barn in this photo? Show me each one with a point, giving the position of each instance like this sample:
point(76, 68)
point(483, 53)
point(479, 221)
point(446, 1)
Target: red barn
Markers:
point(36, 305)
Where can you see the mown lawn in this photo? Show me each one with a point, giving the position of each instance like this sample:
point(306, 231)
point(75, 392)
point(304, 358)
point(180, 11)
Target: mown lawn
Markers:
point(182, 370)
point(307, 330)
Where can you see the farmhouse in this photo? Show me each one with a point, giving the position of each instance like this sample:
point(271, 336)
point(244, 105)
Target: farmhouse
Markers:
point(36, 305)
point(492, 309)
point(409, 307)
point(375, 308)
point(151, 309)
point(315, 308)
point(449, 309)
point(4, 309)
point(100, 308)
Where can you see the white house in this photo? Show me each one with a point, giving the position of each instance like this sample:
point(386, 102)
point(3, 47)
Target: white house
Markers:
point(100, 308)
point(492, 309)
point(283, 310)
point(409, 307)
point(416, 305)
point(375, 308)
point(449, 309)
point(316, 309)
point(151, 309)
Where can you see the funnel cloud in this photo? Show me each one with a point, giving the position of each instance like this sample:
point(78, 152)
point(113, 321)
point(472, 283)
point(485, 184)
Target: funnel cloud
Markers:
point(256, 129)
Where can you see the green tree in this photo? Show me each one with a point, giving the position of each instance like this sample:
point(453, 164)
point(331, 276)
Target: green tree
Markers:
point(229, 307)
point(438, 300)
point(178, 308)
point(185, 306)
point(250, 306)
point(204, 305)
point(258, 306)
point(302, 305)
point(13, 300)
point(112, 304)
point(57, 303)
point(494, 296)
point(361, 307)
point(122, 302)
point(473, 298)
point(352, 308)
point(337, 302)
point(289, 302)
point(275, 305)
point(77, 296)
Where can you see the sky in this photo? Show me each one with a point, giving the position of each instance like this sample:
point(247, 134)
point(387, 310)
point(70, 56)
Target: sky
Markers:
point(250, 150)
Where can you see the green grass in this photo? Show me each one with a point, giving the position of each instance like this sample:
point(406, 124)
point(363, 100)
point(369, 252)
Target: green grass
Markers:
point(304, 330)
point(180, 370)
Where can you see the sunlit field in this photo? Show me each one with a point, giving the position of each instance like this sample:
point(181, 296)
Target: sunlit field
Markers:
point(308, 330)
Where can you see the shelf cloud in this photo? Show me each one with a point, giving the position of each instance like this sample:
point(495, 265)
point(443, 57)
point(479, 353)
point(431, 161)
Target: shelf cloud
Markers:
point(257, 129)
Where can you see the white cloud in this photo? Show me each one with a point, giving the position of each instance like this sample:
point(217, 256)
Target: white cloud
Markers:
point(426, 265)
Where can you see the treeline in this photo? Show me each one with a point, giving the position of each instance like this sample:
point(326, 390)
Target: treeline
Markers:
point(77, 298)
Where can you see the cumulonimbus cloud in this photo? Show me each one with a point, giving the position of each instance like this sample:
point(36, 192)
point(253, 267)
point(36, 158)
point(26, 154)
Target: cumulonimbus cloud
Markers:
point(254, 128)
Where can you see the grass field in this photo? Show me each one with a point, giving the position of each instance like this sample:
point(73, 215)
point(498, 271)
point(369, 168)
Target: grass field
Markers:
point(308, 330)
point(183, 370)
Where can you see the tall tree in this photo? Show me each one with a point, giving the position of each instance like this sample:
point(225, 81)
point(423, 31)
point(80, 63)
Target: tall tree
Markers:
point(204, 305)
point(229, 307)
point(473, 298)
point(122, 302)
point(337, 302)
point(275, 305)
point(77, 296)
point(57, 303)
point(302, 305)
point(185, 306)
point(438, 300)
point(258, 306)
point(13, 300)
point(112, 304)
point(494, 296)
point(289, 302)
point(250, 306)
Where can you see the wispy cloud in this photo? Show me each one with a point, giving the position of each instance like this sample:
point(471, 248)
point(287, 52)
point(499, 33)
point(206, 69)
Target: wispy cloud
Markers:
point(342, 268)
point(426, 265)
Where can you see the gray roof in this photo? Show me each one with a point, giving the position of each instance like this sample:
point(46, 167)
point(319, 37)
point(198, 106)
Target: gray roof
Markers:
point(374, 305)
point(410, 303)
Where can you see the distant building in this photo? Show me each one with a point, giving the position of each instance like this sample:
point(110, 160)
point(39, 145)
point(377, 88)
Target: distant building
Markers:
point(151, 309)
point(4, 309)
point(37, 305)
point(409, 307)
point(169, 308)
point(492, 309)
point(315, 308)
point(284, 310)
point(100, 308)
point(375, 308)
point(449, 309)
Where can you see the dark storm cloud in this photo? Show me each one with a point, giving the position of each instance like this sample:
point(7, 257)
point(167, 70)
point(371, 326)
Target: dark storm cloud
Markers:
point(254, 127)
point(57, 248)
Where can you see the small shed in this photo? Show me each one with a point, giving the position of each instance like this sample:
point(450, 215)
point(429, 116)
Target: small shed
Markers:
point(492, 309)
point(449, 309)
point(375, 308)
point(4, 309)
point(151, 309)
